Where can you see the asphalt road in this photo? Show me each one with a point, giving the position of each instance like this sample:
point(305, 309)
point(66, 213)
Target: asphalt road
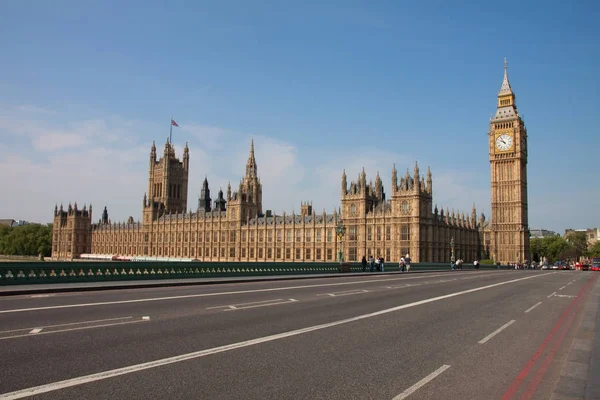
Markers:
point(452, 335)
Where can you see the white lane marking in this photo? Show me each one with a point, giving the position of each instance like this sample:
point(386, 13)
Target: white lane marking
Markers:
point(146, 318)
point(346, 293)
point(243, 304)
point(71, 323)
point(497, 331)
point(32, 391)
point(421, 383)
point(570, 283)
point(289, 301)
point(35, 296)
point(532, 307)
point(551, 295)
point(565, 295)
point(401, 286)
point(74, 329)
point(562, 287)
point(36, 330)
point(188, 296)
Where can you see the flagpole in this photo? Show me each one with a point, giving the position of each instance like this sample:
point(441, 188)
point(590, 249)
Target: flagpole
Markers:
point(171, 132)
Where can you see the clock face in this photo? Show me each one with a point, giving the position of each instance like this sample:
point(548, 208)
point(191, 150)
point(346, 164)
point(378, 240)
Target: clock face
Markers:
point(504, 142)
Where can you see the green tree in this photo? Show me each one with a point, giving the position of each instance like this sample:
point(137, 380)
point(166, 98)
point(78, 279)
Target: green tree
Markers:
point(538, 249)
point(578, 242)
point(27, 240)
point(595, 250)
point(555, 247)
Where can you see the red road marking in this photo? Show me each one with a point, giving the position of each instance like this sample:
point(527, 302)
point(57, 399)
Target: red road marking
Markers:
point(512, 390)
point(533, 385)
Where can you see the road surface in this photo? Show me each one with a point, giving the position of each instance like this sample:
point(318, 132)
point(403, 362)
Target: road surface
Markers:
point(451, 335)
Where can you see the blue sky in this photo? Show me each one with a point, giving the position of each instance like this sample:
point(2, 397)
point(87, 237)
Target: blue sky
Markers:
point(321, 86)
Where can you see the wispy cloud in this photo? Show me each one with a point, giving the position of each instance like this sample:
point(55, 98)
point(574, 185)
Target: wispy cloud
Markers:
point(34, 110)
point(104, 161)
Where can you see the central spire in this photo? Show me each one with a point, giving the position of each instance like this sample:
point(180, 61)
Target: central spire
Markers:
point(505, 89)
point(251, 168)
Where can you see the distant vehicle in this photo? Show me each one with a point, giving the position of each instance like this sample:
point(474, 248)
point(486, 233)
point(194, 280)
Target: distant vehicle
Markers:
point(595, 267)
point(545, 266)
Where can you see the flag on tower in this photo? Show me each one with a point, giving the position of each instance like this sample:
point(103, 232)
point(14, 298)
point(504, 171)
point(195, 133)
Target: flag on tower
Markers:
point(173, 123)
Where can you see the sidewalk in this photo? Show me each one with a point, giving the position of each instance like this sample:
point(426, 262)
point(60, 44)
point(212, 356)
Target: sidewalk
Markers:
point(13, 290)
point(579, 376)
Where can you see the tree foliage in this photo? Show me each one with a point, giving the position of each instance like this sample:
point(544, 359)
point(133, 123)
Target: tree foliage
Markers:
point(557, 248)
point(26, 240)
point(594, 250)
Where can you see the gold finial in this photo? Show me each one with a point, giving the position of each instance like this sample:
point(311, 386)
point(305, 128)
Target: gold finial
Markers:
point(505, 63)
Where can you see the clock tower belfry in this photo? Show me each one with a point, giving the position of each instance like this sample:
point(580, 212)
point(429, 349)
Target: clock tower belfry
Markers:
point(508, 164)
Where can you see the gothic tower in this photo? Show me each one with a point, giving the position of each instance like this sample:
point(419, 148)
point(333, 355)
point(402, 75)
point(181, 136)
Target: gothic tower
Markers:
point(251, 185)
point(508, 164)
point(245, 203)
point(71, 232)
point(167, 182)
point(204, 202)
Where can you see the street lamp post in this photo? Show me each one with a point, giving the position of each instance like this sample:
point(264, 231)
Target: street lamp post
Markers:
point(452, 249)
point(340, 231)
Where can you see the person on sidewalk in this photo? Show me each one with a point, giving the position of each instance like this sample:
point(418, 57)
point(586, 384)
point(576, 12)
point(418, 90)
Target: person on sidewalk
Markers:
point(378, 264)
point(402, 264)
point(364, 264)
point(371, 263)
point(407, 262)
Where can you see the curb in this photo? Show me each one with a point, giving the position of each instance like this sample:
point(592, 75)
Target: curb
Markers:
point(216, 281)
point(576, 381)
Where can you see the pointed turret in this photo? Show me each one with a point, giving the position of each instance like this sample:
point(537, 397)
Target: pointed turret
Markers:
point(251, 167)
point(204, 201)
point(55, 210)
point(220, 202)
point(105, 216)
point(186, 157)
point(228, 191)
point(363, 179)
point(394, 178)
point(344, 183)
point(429, 181)
point(416, 172)
point(505, 89)
point(152, 154)
point(473, 216)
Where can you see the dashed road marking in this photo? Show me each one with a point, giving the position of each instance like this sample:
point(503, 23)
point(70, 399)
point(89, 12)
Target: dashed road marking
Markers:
point(497, 331)
point(551, 295)
point(421, 383)
point(532, 307)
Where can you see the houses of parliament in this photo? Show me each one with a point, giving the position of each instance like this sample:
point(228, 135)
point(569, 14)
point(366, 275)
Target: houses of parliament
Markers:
point(235, 227)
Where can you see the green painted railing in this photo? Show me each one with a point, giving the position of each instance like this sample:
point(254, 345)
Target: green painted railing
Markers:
point(56, 272)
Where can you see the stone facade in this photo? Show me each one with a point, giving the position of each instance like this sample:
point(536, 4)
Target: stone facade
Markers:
point(235, 228)
point(508, 164)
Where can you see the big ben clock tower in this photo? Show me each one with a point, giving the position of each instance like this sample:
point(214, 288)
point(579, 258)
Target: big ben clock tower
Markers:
point(508, 162)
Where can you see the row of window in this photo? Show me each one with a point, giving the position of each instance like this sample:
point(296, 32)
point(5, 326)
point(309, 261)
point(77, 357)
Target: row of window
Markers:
point(232, 253)
point(403, 231)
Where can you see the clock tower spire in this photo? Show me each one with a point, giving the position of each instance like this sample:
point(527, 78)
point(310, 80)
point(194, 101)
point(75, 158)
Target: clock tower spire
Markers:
point(508, 172)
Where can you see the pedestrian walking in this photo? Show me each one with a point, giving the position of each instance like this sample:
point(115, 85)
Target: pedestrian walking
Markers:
point(364, 264)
